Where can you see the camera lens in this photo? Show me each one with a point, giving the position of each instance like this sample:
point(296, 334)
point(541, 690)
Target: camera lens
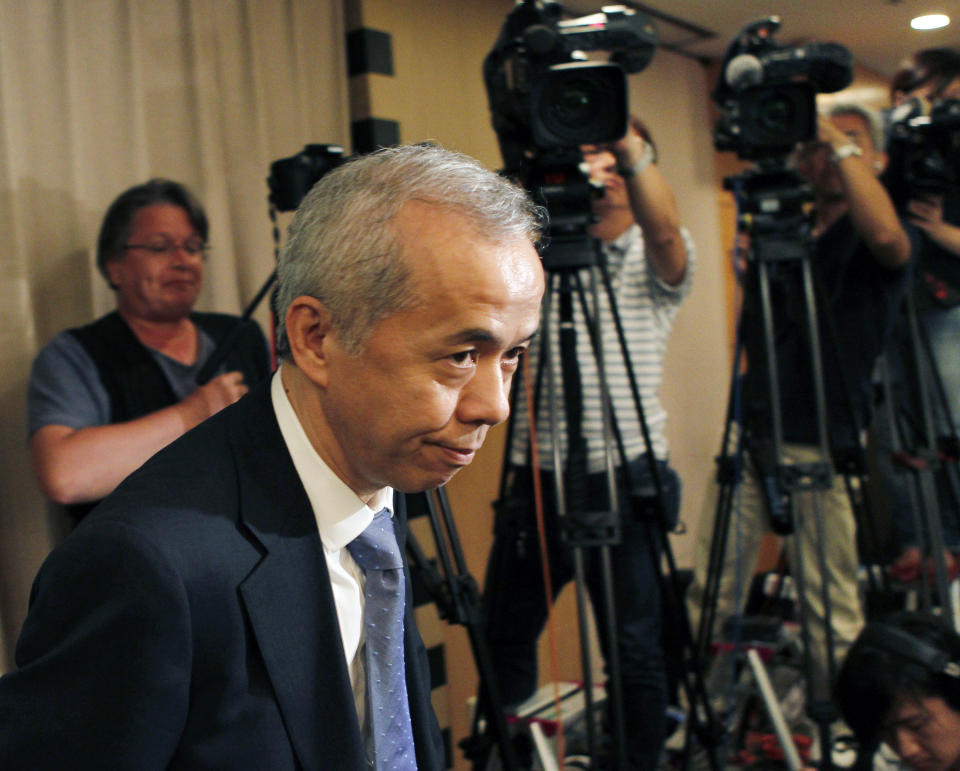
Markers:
point(776, 114)
point(579, 103)
point(573, 105)
point(773, 119)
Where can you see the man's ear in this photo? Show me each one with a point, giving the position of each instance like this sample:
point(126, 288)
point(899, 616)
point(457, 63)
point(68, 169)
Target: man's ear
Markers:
point(308, 333)
point(110, 267)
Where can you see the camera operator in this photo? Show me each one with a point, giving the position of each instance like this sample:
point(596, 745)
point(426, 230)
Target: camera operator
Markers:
point(650, 259)
point(860, 253)
point(105, 397)
point(900, 685)
point(927, 79)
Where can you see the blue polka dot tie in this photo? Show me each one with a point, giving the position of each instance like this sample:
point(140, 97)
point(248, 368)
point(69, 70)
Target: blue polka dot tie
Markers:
point(377, 552)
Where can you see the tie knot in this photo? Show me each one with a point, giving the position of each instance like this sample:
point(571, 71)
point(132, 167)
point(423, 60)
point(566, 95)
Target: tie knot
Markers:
point(376, 547)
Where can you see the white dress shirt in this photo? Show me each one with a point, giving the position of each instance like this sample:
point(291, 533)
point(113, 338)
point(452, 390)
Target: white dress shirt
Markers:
point(341, 516)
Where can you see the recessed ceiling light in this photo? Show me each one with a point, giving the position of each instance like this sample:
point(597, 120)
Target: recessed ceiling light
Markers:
point(930, 21)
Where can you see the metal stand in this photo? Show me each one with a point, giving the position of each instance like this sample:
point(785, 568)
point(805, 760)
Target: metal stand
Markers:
point(455, 593)
point(790, 753)
point(917, 451)
point(773, 198)
point(583, 527)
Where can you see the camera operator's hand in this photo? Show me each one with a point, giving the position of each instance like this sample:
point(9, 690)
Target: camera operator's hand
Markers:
point(829, 134)
point(633, 153)
point(86, 464)
point(842, 167)
point(927, 214)
point(829, 140)
point(209, 399)
point(629, 164)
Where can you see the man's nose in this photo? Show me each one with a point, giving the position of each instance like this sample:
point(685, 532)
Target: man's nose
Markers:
point(486, 398)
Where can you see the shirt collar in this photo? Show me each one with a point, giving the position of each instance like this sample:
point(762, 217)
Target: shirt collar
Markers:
point(616, 250)
point(622, 242)
point(340, 514)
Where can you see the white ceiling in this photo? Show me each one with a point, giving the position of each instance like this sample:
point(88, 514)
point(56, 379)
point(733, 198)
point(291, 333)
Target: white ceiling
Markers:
point(877, 32)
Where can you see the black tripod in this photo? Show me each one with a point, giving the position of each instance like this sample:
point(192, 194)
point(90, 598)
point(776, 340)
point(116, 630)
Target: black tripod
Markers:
point(923, 447)
point(589, 531)
point(780, 251)
point(454, 591)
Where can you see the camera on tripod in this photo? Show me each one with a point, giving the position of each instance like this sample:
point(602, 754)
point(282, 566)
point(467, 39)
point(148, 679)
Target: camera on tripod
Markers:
point(546, 101)
point(544, 97)
point(767, 91)
point(924, 149)
point(291, 178)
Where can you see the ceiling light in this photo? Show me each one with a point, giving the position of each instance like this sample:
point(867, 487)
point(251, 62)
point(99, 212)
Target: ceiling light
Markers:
point(930, 21)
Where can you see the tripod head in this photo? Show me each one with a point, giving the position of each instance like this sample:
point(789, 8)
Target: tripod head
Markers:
point(771, 199)
point(567, 192)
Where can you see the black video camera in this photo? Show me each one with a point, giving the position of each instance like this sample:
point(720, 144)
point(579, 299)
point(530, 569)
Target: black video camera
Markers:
point(546, 101)
point(544, 98)
point(291, 178)
point(924, 149)
point(767, 92)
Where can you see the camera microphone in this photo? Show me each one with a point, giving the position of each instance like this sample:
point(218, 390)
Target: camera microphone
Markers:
point(743, 71)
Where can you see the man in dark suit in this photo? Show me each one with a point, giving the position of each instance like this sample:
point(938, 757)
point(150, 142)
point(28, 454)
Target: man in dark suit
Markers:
point(209, 613)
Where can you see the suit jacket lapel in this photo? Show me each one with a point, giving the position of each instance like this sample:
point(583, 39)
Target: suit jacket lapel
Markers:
point(288, 596)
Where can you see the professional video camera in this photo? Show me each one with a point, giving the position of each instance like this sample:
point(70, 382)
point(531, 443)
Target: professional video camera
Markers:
point(291, 178)
point(546, 100)
point(543, 97)
point(924, 149)
point(767, 92)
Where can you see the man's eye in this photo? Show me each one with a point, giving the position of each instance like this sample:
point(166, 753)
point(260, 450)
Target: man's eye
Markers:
point(464, 358)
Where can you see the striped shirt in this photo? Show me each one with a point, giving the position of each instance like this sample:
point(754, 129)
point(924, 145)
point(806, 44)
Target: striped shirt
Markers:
point(647, 307)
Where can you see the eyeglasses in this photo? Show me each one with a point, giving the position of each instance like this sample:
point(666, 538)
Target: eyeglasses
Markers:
point(168, 248)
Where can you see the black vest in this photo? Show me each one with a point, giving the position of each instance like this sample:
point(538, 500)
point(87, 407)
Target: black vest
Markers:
point(135, 382)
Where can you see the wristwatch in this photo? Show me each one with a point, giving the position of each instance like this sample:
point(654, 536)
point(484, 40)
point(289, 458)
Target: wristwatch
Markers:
point(849, 150)
point(647, 157)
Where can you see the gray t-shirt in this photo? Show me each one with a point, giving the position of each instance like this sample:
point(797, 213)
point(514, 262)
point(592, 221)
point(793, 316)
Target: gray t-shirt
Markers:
point(65, 387)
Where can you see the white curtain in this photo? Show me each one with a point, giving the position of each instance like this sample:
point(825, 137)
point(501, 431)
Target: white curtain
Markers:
point(98, 95)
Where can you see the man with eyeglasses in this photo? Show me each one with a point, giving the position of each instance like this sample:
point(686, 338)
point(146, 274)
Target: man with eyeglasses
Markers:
point(106, 396)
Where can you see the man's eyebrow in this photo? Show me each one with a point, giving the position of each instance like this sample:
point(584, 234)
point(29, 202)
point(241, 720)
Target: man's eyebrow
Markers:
point(481, 335)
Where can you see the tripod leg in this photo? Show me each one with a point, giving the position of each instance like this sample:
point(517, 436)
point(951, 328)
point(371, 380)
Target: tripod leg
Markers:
point(824, 560)
point(925, 368)
point(728, 571)
point(841, 563)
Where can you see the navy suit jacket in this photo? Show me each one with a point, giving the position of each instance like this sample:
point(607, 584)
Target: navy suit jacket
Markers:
point(189, 623)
